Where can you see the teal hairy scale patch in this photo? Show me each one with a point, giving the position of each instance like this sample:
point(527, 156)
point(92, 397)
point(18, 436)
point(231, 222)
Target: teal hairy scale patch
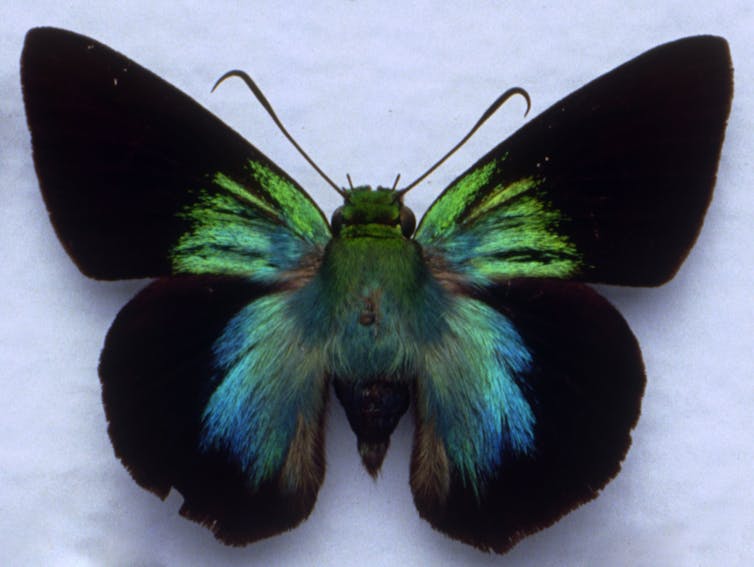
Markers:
point(235, 231)
point(471, 391)
point(467, 356)
point(500, 232)
point(269, 376)
point(389, 275)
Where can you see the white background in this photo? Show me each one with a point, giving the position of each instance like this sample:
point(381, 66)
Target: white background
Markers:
point(374, 89)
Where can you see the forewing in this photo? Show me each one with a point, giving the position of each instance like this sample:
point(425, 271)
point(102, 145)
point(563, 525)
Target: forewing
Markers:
point(608, 185)
point(139, 180)
point(524, 411)
point(209, 388)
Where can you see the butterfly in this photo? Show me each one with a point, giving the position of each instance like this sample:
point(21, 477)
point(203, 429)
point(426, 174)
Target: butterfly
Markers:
point(524, 383)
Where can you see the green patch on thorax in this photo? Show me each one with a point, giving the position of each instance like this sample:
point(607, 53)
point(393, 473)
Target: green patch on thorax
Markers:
point(365, 206)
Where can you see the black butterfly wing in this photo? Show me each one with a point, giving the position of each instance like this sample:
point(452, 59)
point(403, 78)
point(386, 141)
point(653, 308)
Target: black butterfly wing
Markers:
point(533, 416)
point(163, 384)
point(208, 384)
point(608, 185)
point(141, 181)
point(567, 387)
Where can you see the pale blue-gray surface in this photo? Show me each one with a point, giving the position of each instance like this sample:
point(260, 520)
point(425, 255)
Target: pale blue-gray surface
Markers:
point(374, 89)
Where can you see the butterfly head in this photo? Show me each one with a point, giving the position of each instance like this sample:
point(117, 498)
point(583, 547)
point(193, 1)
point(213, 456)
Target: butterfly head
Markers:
point(373, 212)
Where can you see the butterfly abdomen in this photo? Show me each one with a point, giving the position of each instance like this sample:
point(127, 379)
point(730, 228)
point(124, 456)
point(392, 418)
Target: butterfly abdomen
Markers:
point(373, 409)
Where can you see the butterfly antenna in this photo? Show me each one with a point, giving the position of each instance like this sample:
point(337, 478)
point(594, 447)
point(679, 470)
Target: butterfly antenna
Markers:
point(395, 183)
point(268, 107)
point(487, 113)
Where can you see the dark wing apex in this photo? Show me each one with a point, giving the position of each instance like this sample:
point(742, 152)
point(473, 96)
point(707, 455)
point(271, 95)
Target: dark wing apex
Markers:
point(124, 159)
point(609, 185)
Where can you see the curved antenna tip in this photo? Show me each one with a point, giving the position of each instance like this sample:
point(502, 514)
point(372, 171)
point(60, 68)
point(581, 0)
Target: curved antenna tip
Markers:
point(499, 101)
point(221, 79)
point(268, 107)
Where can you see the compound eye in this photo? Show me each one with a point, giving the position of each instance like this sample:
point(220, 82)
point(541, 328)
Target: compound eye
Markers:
point(408, 221)
point(336, 222)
